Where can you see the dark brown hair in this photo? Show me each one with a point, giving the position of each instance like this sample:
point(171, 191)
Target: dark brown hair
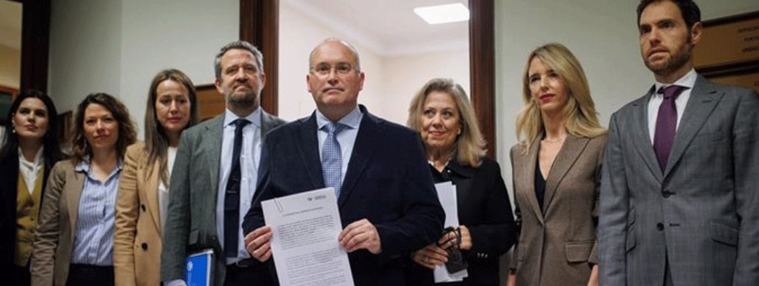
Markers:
point(688, 10)
point(127, 135)
point(52, 150)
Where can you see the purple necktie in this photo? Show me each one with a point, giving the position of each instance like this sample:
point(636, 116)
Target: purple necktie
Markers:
point(666, 122)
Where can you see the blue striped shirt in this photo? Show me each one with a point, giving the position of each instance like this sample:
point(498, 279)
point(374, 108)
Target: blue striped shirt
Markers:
point(93, 240)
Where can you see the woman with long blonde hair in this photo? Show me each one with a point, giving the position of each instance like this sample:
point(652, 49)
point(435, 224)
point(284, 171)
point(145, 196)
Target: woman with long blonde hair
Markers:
point(556, 171)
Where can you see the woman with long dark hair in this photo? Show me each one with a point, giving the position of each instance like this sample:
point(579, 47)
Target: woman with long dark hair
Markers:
point(29, 150)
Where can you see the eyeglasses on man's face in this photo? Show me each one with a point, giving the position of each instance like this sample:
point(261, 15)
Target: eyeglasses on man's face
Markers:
point(325, 69)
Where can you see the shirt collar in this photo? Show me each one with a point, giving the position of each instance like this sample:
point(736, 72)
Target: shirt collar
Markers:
point(37, 157)
point(84, 166)
point(254, 117)
point(352, 119)
point(688, 81)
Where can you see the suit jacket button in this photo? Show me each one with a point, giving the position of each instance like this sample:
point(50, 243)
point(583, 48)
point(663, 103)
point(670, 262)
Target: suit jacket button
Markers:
point(667, 193)
point(142, 206)
point(660, 226)
point(144, 246)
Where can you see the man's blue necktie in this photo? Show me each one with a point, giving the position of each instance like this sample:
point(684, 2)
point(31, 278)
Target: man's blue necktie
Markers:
point(332, 161)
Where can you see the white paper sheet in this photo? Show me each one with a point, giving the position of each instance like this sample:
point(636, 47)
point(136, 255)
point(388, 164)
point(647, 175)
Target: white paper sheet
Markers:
point(446, 194)
point(304, 243)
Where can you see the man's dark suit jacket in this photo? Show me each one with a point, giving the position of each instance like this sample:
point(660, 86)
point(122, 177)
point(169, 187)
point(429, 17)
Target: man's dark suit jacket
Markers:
point(387, 183)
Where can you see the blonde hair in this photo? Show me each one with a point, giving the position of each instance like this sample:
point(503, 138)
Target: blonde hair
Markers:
point(580, 111)
point(470, 145)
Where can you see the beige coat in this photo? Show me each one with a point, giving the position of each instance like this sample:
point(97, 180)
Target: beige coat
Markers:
point(557, 245)
point(54, 239)
point(137, 241)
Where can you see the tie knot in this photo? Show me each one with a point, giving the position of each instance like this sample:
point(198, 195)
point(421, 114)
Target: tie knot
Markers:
point(671, 91)
point(334, 128)
point(240, 123)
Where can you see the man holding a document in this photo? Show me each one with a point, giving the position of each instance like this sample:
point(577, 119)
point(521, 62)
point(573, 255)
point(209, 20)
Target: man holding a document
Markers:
point(385, 194)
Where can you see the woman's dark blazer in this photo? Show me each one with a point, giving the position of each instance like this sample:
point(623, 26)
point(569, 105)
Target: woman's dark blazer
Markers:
point(8, 192)
point(484, 208)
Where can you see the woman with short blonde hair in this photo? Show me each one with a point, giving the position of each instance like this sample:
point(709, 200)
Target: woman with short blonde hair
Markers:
point(455, 150)
point(470, 146)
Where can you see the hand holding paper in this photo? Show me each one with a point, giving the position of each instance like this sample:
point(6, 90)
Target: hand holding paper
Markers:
point(258, 243)
point(360, 235)
point(302, 235)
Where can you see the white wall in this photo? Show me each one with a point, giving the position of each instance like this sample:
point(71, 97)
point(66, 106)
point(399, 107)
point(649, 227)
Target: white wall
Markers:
point(601, 34)
point(118, 46)
point(182, 34)
point(391, 81)
point(299, 34)
point(405, 75)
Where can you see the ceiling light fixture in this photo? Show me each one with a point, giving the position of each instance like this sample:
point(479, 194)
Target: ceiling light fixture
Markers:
point(441, 14)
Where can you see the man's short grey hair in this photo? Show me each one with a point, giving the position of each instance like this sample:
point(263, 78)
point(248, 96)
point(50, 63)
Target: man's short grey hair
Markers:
point(241, 45)
point(350, 47)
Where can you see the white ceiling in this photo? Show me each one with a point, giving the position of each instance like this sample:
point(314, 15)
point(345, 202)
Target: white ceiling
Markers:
point(10, 24)
point(388, 27)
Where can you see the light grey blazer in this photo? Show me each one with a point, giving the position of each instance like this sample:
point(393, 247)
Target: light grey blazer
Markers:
point(191, 215)
point(702, 212)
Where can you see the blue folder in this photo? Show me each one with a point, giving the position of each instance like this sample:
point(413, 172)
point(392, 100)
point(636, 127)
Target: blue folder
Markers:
point(199, 268)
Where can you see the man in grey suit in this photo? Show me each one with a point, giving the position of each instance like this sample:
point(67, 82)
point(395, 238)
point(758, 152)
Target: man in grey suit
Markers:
point(679, 198)
point(214, 176)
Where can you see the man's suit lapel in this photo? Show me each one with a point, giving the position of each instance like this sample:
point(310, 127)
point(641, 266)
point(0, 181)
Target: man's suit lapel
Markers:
point(212, 144)
point(570, 151)
point(369, 134)
point(703, 99)
point(267, 123)
point(641, 137)
point(309, 150)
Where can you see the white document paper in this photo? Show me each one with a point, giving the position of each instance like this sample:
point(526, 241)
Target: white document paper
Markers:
point(304, 243)
point(446, 194)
